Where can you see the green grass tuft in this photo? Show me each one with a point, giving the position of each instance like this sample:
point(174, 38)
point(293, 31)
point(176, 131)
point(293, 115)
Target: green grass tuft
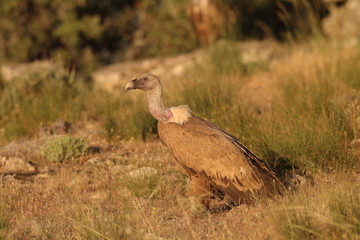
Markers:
point(307, 127)
point(145, 186)
point(97, 223)
point(63, 148)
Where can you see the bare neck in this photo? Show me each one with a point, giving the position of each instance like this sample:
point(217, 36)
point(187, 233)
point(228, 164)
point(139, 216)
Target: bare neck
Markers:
point(156, 106)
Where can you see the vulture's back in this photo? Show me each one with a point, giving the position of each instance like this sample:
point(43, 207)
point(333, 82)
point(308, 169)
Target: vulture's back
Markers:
point(204, 150)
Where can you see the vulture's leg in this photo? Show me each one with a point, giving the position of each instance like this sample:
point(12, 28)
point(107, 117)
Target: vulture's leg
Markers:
point(200, 189)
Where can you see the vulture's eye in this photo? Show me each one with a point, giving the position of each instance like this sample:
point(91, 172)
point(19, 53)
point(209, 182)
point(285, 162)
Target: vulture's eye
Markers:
point(143, 80)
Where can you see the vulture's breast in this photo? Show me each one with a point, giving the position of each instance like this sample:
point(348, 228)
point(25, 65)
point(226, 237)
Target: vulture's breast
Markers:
point(201, 147)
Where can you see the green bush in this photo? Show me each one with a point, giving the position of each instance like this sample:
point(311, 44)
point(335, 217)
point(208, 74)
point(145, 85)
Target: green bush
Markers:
point(85, 33)
point(166, 29)
point(75, 32)
point(63, 148)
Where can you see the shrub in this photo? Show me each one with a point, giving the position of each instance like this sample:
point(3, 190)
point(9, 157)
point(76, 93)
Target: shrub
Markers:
point(79, 31)
point(165, 28)
point(63, 148)
point(86, 33)
point(39, 97)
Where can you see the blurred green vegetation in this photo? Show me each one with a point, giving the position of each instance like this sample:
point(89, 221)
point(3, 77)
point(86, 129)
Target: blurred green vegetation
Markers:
point(79, 33)
point(280, 19)
point(85, 34)
point(63, 148)
point(40, 97)
point(164, 29)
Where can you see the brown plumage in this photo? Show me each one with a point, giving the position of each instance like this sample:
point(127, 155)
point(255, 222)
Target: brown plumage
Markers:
point(221, 169)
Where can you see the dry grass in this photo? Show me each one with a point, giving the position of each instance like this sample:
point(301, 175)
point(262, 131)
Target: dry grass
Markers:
point(309, 121)
point(90, 201)
point(329, 210)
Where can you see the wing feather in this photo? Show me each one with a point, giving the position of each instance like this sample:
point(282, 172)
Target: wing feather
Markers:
point(205, 150)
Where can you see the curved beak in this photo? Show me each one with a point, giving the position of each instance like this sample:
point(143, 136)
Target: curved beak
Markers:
point(130, 85)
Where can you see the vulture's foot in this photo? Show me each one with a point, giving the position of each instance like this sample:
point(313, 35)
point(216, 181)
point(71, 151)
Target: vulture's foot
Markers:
point(200, 189)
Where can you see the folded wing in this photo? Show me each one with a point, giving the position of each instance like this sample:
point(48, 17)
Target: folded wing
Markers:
point(204, 150)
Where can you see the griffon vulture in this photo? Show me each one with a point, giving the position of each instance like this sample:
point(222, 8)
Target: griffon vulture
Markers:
point(222, 171)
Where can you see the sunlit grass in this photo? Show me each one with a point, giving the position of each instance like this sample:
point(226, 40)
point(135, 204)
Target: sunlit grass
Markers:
point(96, 222)
point(309, 125)
point(124, 116)
point(102, 204)
point(320, 213)
point(38, 99)
point(312, 120)
point(4, 219)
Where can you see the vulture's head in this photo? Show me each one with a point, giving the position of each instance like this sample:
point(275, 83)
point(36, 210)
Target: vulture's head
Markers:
point(152, 85)
point(145, 82)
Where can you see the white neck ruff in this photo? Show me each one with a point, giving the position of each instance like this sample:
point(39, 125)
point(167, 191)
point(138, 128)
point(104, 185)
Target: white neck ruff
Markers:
point(180, 114)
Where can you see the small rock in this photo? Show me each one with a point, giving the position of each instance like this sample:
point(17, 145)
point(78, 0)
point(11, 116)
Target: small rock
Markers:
point(8, 178)
point(95, 160)
point(43, 175)
point(98, 196)
point(44, 169)
point(143, 172)
point(12, 72)
point(112, 77)
point(109, 163)
point(15, 164)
